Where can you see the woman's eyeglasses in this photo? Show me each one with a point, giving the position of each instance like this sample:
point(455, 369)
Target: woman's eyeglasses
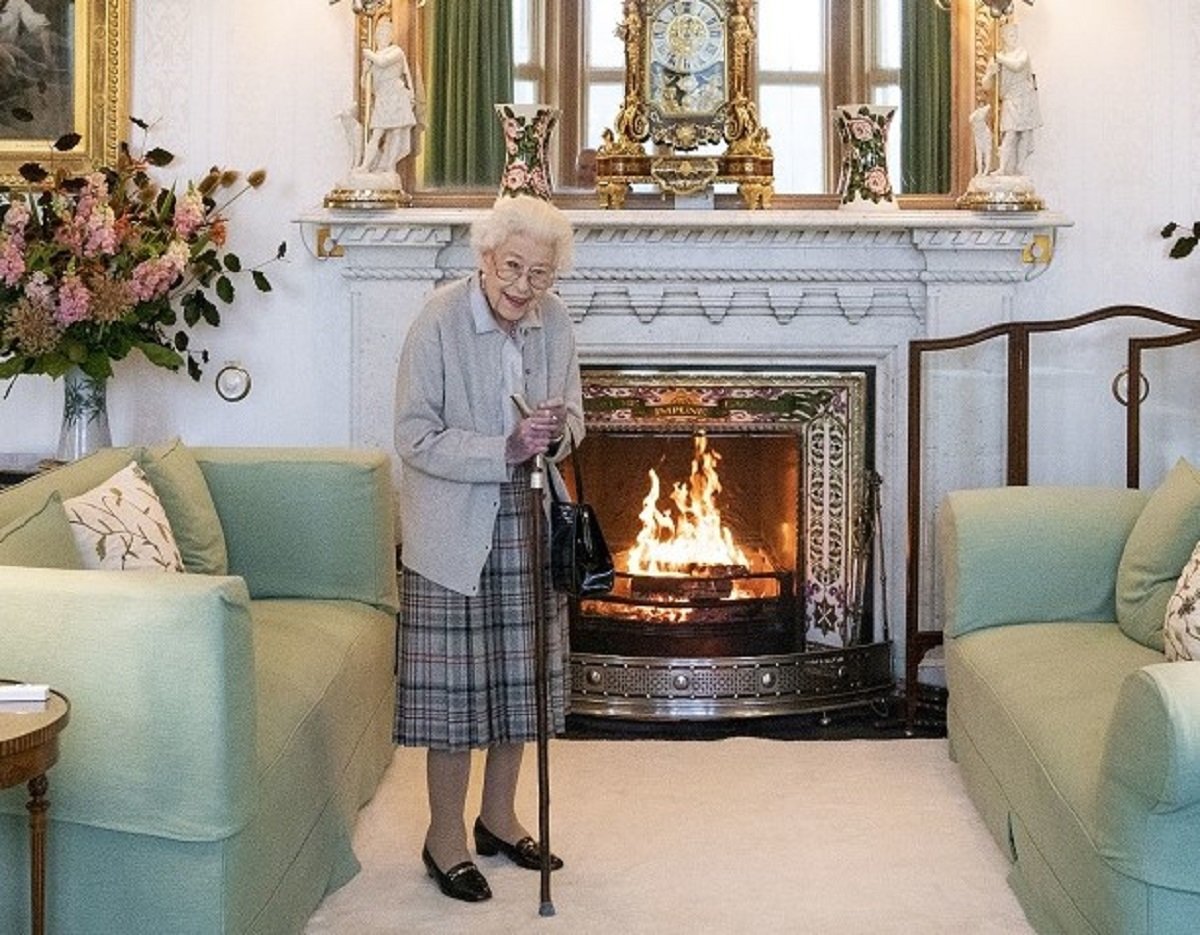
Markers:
point(539, 277)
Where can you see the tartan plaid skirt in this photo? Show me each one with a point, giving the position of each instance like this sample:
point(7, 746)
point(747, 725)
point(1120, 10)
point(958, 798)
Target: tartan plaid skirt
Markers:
point(465, 666)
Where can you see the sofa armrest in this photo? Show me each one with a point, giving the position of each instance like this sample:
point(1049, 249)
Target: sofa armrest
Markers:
point(1023, 554)
point(1154, 738)
point(1148, 802)
point(159, 670)
point(306, 522)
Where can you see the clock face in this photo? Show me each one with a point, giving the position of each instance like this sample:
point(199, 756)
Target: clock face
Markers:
point(686, 57)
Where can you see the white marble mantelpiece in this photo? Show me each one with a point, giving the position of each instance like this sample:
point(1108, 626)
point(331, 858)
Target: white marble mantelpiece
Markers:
point(743, 288)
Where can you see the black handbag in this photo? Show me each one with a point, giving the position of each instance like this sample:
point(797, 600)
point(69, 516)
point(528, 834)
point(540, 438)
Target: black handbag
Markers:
point(580, 563)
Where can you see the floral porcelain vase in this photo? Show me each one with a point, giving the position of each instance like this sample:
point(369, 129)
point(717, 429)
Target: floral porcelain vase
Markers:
point(85, 416)
point(863, 130)
point(527, 129)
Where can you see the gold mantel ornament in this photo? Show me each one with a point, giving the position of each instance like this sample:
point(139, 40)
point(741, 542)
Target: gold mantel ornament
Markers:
point(688, 83)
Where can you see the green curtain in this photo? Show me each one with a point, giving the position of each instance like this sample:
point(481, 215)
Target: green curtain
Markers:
point(925, 96)
point(470, 56)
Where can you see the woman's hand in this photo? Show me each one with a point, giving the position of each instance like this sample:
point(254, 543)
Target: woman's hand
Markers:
point(557, 409)
point(531, 437)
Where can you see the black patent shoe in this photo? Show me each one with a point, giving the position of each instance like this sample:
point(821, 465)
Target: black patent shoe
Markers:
point(462, 881)
point(525, 853)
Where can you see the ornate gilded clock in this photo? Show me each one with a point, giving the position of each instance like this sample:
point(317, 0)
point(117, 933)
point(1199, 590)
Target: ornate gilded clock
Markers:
point(687, 85)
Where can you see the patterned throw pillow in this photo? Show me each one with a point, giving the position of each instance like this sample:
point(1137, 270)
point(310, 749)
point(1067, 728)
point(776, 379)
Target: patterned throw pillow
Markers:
point(120, 524)
point(1181, 630)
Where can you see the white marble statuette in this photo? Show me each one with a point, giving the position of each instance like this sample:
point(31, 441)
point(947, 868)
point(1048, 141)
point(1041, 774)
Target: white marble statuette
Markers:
point(1004, 138)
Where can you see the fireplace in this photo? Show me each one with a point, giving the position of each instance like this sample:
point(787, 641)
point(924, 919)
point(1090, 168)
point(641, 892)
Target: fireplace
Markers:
point(735, 504)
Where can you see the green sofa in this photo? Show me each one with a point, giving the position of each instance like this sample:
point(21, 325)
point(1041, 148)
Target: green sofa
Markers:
point(1079, 745)
point(225, 728)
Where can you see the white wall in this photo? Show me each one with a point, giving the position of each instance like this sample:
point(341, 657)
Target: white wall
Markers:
point(257, 84)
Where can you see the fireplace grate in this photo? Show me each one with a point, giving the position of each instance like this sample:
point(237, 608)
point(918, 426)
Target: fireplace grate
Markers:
point(655, 688)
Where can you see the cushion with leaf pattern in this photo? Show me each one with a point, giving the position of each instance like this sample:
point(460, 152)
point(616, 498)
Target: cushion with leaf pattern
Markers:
point(1181, 630)
point(120, 524)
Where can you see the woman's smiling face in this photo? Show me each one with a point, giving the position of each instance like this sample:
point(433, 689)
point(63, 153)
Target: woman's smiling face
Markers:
point(529, 263)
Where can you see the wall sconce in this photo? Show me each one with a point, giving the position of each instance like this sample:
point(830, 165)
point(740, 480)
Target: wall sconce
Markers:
point(233, 382)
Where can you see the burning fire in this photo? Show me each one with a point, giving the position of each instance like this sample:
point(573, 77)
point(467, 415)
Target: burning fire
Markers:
point(696, 538)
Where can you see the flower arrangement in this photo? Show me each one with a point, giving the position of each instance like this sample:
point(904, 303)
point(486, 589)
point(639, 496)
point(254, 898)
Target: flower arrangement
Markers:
point(97, 265)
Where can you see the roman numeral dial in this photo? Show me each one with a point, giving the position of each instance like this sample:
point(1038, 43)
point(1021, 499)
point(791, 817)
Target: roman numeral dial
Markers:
point(687, 36)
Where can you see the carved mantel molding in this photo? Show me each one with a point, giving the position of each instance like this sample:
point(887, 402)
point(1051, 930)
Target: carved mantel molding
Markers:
point(734, 262)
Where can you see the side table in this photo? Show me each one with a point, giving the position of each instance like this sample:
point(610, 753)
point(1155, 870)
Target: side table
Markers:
point(28, 748)
point(15, 468)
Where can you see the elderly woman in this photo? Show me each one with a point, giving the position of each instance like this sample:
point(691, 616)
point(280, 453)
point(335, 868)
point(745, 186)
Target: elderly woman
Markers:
point(466, 661)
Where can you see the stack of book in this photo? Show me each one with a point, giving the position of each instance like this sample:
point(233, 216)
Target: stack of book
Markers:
point(20, 697)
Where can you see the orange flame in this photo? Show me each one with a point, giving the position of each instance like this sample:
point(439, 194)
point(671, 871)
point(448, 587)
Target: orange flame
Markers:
point(696, 537)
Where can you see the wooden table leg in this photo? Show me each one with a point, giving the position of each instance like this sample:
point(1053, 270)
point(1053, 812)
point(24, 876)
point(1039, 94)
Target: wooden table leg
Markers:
point(37, 806)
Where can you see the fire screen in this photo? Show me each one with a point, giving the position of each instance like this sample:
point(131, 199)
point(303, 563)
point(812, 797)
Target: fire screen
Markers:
point(732, 502)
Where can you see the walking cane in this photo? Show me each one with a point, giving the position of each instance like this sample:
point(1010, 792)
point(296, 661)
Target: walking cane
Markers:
point(537, 485)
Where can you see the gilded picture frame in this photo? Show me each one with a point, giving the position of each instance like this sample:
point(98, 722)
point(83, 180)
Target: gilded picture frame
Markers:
point(64, 67)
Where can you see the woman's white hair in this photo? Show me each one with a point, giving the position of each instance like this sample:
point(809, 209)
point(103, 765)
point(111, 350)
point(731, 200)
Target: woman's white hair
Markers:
point(528, 216)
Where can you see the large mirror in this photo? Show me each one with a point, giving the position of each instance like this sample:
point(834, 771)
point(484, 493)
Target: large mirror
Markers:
point(810, 56)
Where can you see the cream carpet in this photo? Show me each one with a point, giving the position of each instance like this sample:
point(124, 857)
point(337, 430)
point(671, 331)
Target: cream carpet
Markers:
point(733, 836)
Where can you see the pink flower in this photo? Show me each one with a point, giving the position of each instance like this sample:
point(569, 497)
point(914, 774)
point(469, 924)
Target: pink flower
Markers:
point(516, 176)
point(16, 219)
point(189, 213)
point(152, 279)
point(862, 129)
point(39, 290)
point(12, 261)
point(876, 181)
point(74, 301)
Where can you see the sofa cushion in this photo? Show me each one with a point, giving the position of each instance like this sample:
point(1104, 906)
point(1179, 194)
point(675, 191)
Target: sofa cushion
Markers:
point(1155, 553)
point(68, 479)
point(1181, 631)
point(180, 485)
point(41, 539)
point(120, 525)
point(331, 536)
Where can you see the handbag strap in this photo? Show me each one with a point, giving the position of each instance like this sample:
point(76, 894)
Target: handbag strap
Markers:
point(574, 455)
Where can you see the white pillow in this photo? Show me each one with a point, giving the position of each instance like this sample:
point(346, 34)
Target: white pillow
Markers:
point(1181, 629)
point(120, 524)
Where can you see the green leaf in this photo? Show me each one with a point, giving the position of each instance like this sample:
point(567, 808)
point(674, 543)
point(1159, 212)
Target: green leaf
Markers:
point(32, 172)
point(67, 142)
point(1169, 230)
point(1183, 247)
point(195, 306)
point(11, 367)
point(210, 260)
point(225, 289)
point(211, 315)
point(22, 114)
point(282, 251)
point(159, 157)
point(193, 368)
point(181, 340)
point(137, 122)
point(261, 281)
point(160, 356)
point(232, 263)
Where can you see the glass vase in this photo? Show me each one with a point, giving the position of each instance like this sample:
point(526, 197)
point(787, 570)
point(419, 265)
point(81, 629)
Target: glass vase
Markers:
point(85, 416)
point(527, 129)
point(863, 131)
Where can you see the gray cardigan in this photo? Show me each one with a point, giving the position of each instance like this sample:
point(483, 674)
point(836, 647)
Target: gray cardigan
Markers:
point(450, 436)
